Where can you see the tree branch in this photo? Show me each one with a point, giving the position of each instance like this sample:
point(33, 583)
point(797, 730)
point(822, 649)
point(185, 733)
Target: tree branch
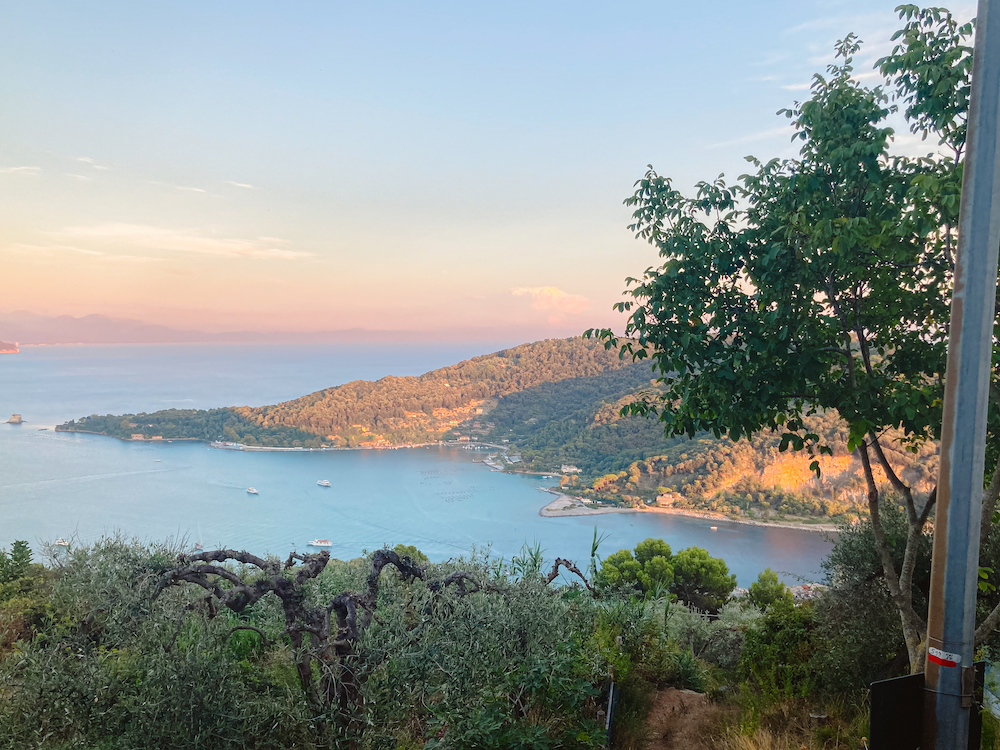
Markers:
point(265, 641)
point(560, 562)
point(987, 626)
point(902, 599)
point(894, 480)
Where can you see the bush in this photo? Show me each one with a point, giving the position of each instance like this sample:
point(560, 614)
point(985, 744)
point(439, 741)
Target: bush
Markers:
point(514, 663)
point(648, 572)
point(767, 590)
point(777, 655)
point(701, 580)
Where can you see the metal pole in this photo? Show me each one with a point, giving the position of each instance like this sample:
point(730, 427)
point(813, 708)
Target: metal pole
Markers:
point(949, 675)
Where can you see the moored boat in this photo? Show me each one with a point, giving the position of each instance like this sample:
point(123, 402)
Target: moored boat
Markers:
point(320, 543)
point(60, 542)
point(323, 482)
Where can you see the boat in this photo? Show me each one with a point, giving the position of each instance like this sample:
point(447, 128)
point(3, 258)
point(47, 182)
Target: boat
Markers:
point(252, 491)
point(320, 543)
point(714, 528)
point(60, 542)
point(323, 482)
point(199, 546)
point(158, 460)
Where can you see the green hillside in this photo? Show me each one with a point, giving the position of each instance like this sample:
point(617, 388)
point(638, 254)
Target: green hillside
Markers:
point(387, 412)
point(628, 461)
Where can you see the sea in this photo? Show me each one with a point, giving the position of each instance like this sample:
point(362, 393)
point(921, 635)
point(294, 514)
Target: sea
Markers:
point(443, 500)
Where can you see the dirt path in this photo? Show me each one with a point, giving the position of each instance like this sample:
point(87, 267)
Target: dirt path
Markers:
point(678, 719)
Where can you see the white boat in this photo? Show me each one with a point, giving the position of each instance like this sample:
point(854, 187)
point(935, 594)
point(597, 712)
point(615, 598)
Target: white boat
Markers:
point(158, 460)
point(714, 528)
point(198, 546)
point(60, 542)
point(252, 491)
point(320, 543)
point(323, 482)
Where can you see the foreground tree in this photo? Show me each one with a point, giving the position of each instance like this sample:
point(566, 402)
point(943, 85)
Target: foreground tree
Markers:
point(324, 638)
point(821, 283)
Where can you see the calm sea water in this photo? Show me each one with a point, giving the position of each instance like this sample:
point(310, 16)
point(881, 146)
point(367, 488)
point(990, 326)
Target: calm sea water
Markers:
point(82, 486)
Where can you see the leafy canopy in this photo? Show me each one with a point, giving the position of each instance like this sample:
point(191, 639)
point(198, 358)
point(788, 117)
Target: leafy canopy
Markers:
point(692, 575)
point(768, 590)
point(814, 283)
point(15, 564)
point(701, 580)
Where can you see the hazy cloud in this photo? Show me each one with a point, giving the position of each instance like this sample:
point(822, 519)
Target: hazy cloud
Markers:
point(90, 162)
point(173, 240)
point(553, 300)
point(133, 258)
point(21, 247)
point(771, 59)
point(192, 189)
point(798, 86)
point(239, 184)
point(20, 170)
point(77, 176)
point(760, 135)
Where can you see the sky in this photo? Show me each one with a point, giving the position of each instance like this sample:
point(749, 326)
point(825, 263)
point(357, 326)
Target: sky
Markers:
point(426, 166)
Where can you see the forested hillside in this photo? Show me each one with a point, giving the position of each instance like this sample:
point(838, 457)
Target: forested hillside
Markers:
point(390, 411)
point(396, 410)
point(193, 424)
point(628, 461)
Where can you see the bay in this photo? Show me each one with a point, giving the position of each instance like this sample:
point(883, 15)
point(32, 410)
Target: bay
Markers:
point(439, 499)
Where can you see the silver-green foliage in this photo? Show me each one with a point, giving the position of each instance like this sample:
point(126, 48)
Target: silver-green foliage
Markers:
point(509, 664)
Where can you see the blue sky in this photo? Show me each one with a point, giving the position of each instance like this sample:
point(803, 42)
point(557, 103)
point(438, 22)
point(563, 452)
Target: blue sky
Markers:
point(418, 166)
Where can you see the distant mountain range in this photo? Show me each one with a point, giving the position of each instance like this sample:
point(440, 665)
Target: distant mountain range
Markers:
point(31, 328)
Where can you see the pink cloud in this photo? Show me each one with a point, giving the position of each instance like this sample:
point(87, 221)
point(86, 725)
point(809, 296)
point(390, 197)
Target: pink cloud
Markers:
point(553, 300)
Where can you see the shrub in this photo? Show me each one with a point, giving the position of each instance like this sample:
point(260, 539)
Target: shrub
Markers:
point(778, 650)
point(701, 580)
point(767, 590)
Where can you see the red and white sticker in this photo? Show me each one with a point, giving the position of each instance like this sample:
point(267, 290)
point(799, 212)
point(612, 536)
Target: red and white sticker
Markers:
point(944, 658)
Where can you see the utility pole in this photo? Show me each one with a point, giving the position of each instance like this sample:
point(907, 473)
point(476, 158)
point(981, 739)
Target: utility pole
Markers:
point(949, 676)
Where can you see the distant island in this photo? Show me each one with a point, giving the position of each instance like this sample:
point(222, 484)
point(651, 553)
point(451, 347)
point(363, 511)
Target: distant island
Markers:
point(552, 408)
point(6, 348)
point(32, 328)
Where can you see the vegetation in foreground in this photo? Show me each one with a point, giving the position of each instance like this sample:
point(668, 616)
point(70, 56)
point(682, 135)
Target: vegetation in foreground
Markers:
point(130, 645)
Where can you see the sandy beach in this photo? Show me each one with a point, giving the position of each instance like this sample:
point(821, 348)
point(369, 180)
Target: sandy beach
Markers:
point(565, 505)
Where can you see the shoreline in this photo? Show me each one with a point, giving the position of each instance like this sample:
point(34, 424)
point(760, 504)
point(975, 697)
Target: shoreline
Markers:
point(566, 506)
point(221, 445)
point(562, 506)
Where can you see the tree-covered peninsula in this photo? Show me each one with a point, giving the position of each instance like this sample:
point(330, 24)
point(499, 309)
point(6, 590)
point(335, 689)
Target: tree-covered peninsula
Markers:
point(392, 411)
